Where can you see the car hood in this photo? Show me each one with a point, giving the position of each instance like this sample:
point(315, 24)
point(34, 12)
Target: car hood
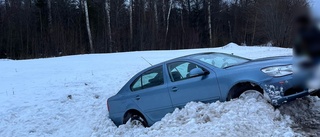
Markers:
point(265, 62)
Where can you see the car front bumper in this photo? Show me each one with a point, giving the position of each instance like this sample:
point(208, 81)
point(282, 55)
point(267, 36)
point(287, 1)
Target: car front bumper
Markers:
point(277, 89)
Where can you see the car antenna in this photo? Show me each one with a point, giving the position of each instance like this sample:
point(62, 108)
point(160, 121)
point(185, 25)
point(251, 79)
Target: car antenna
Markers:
point(147, 61)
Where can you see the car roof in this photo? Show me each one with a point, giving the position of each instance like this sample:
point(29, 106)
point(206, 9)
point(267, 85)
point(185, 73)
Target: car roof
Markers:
point(191, 55)
point(196, 54)
point(186, 57)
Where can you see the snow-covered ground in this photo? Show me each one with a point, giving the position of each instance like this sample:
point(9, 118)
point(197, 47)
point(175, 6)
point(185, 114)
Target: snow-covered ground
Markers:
point(66, 97)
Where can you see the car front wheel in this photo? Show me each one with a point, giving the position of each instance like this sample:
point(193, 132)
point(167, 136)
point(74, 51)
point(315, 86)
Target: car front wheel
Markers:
point(249, 94)
point(244, 91)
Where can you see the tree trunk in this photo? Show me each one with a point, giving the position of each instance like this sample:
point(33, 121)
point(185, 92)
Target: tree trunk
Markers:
point(189, 7)
point(168, 21)
point(7, 5)
point(49, 15)
point(230, 31)
point(131, 27)
point(254, 29)
point(245, 32)
point(88, 26)
point(50, 28)
point(183, 30)
point(209, 22)
point(156, 25)
point(80, 28)
point(142, 20)
point(181, 20)
point(156, 14)
point(164, 12)
point(41, 33)
point(109, 24)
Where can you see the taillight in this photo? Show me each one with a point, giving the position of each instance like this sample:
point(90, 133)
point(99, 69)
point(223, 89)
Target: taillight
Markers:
point(108, 105)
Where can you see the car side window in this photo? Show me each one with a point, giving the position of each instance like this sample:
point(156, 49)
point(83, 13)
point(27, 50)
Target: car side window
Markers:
point(151, 78)
point(180, 70)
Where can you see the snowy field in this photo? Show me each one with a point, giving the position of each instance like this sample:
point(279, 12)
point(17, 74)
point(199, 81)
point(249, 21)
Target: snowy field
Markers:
point(66, 97)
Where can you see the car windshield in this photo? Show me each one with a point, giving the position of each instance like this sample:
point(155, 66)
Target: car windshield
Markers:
point(220, 60)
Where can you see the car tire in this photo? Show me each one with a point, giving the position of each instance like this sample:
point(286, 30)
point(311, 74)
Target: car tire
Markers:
point(240, 90)
point(251, 94)
point(135, 120)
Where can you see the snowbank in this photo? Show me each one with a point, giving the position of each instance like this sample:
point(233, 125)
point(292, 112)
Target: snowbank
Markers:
point(229, 119)
point(4, 59)
point(66, 96)
point(231, 46)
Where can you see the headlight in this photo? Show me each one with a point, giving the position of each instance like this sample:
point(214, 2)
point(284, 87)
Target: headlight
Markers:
point(278, 71)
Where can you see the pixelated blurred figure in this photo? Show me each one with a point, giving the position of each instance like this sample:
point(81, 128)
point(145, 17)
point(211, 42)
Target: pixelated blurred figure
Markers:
point(307, 53)
point(308, 39)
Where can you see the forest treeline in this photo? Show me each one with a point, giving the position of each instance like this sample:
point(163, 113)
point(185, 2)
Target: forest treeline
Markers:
point(47, 28)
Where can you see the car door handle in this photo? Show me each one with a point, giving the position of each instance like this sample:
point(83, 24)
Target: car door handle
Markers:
point(137, 97)
point(175, 89)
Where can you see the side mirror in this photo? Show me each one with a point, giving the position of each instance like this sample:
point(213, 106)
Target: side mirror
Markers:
point(197, 72)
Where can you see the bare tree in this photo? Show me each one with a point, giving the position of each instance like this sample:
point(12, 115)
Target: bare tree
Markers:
point(49, 15)
point(164, 11)
point(168, 20)
point(88, 25)
point(131, 21)
point(50, 27)
point(209, 22)
point(279, 19)
point(46, 28)
point(107, 6)
point(156, 13)
point(189, 6)
point(254, 28)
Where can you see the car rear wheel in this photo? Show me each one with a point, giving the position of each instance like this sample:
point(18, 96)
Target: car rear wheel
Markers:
point(135, 120)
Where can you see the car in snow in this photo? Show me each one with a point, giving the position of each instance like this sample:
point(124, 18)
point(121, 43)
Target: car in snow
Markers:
point(203, 77)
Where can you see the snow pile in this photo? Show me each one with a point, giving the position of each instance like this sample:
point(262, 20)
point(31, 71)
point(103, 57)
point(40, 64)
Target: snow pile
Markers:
point(4, 59)
point(231, 46)
point(235, 118)
point(66, 96)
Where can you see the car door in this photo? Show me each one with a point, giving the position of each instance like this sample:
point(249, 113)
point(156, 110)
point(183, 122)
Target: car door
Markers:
point(184, 89)
point(150, 93)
